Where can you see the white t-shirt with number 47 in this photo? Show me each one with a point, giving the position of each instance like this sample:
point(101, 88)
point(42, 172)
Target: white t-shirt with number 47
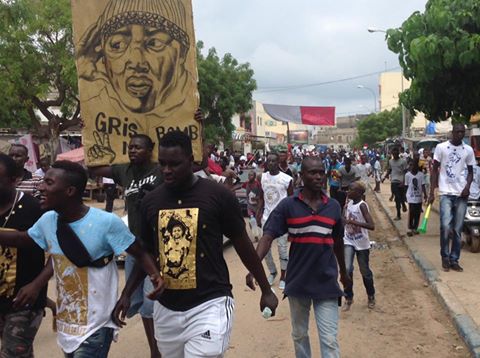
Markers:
point(453, 159)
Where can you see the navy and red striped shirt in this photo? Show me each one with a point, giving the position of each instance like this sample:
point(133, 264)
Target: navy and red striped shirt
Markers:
point(312, 270)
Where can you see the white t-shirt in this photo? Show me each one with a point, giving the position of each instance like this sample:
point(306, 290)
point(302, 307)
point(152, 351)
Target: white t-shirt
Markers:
point(453, 160)
point(363, 171)
point(274, 189)
point(475, 187)
point(414, 183)
point(354, 235)
point(85, 296)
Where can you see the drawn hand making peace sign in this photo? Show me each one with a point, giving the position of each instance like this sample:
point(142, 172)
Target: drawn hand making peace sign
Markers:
point(101, 148)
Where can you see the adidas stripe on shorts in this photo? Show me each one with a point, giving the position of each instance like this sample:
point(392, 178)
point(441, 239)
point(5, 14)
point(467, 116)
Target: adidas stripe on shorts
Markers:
point(203, 331)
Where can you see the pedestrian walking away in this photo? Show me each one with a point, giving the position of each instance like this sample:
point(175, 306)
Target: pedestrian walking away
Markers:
point(397, 168)
point(314, 225)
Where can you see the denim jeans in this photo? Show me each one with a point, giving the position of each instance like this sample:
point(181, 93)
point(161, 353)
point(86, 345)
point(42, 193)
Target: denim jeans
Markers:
point(452, 214)
point(95, 346)
point(326, 317)
point(139, 302)
point(282, 243)
point(363, 257)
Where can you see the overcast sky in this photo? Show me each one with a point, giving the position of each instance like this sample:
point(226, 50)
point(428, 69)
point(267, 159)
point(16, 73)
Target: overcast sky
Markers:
point(303, 42)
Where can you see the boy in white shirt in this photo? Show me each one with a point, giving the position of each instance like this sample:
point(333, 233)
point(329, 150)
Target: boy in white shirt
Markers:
point(415, 186)
point(356, 242)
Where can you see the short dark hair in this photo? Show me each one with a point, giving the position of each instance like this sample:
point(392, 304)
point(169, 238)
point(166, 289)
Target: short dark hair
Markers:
point(309, 159)
point(274, 153)
point(9, 164)
point(146, 139)
point(20, 146)
point(177, 139)
point(75, 174)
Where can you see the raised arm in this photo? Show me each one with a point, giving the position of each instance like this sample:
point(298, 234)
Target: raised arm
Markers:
point(101, 171)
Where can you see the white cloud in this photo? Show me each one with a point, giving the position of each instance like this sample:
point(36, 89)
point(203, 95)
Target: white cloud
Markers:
point(306, 41)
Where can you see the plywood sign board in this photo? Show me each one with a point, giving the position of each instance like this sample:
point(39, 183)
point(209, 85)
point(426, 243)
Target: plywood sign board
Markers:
point(136, 73)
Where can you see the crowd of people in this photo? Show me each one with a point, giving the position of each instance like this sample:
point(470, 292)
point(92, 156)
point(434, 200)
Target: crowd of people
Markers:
point(178, 214)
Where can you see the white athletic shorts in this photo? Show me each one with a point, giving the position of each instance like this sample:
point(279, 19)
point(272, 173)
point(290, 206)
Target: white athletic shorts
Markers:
point(203, 331)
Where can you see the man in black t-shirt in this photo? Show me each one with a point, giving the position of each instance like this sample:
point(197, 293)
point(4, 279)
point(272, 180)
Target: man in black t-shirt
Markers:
point(18, 267)
point(183, 223)
point(137, 177)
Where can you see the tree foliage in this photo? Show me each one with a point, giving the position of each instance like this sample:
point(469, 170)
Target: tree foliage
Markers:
point(225, 88)
point(379, 126)
point(37, 69)
point(37, 72)
point(439, 50)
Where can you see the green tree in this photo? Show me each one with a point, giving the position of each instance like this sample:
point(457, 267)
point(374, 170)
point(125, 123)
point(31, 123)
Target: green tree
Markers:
point(379, 126)
point(37, 69)
point(225, 88)
point(439, 51)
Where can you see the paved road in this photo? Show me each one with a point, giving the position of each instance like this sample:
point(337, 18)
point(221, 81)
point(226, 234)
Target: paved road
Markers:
point(407, 322)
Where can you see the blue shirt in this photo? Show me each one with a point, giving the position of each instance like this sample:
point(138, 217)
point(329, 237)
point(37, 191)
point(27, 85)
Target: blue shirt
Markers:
point(101, 233)
point(312, 270)
point(334, 178)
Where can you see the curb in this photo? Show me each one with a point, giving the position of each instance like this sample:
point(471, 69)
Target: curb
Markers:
point(464, 324)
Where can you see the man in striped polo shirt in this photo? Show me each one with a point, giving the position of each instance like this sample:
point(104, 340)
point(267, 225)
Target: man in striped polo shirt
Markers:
point(315, 230)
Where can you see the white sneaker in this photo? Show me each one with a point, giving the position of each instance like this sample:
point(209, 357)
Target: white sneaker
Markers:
point(271, 278)
point(281, 285)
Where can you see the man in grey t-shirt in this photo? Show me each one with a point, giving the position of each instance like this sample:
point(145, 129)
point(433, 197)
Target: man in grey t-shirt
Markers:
point(397, 168)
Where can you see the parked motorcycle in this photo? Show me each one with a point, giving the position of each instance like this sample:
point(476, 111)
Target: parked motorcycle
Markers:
point(471, 226)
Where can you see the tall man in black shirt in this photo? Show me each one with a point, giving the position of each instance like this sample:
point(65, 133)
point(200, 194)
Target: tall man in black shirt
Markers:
point(183, 223)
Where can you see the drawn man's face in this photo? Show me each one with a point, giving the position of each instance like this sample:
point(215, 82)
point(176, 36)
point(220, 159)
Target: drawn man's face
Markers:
point(176, 248)
point(141, 63)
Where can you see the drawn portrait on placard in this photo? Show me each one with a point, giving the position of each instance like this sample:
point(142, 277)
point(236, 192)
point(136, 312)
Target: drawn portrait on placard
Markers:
point(137, 73)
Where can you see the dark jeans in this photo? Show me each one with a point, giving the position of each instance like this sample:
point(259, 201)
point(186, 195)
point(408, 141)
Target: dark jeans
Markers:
point(363, 258)
point(414, 211)
point(110, 193)
point(398, 191)
point(95, 346)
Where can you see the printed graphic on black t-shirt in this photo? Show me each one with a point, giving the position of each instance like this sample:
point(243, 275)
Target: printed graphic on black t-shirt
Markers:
point(8, 269)
point(19, 267)
point(178, 230)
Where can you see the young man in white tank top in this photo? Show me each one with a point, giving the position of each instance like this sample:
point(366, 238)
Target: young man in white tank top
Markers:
point(276, 186)
point(356, 242)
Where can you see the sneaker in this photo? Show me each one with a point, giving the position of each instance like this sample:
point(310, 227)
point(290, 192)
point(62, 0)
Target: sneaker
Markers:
point(456, 267)
point(271, 278)
point(410, 233)
point(404, 208)
point(281, 285)
point(371, 302)
point(398, 218)
point(446, 265)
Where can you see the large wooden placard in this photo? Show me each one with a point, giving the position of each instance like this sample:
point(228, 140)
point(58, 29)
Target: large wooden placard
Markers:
point(136, 66)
